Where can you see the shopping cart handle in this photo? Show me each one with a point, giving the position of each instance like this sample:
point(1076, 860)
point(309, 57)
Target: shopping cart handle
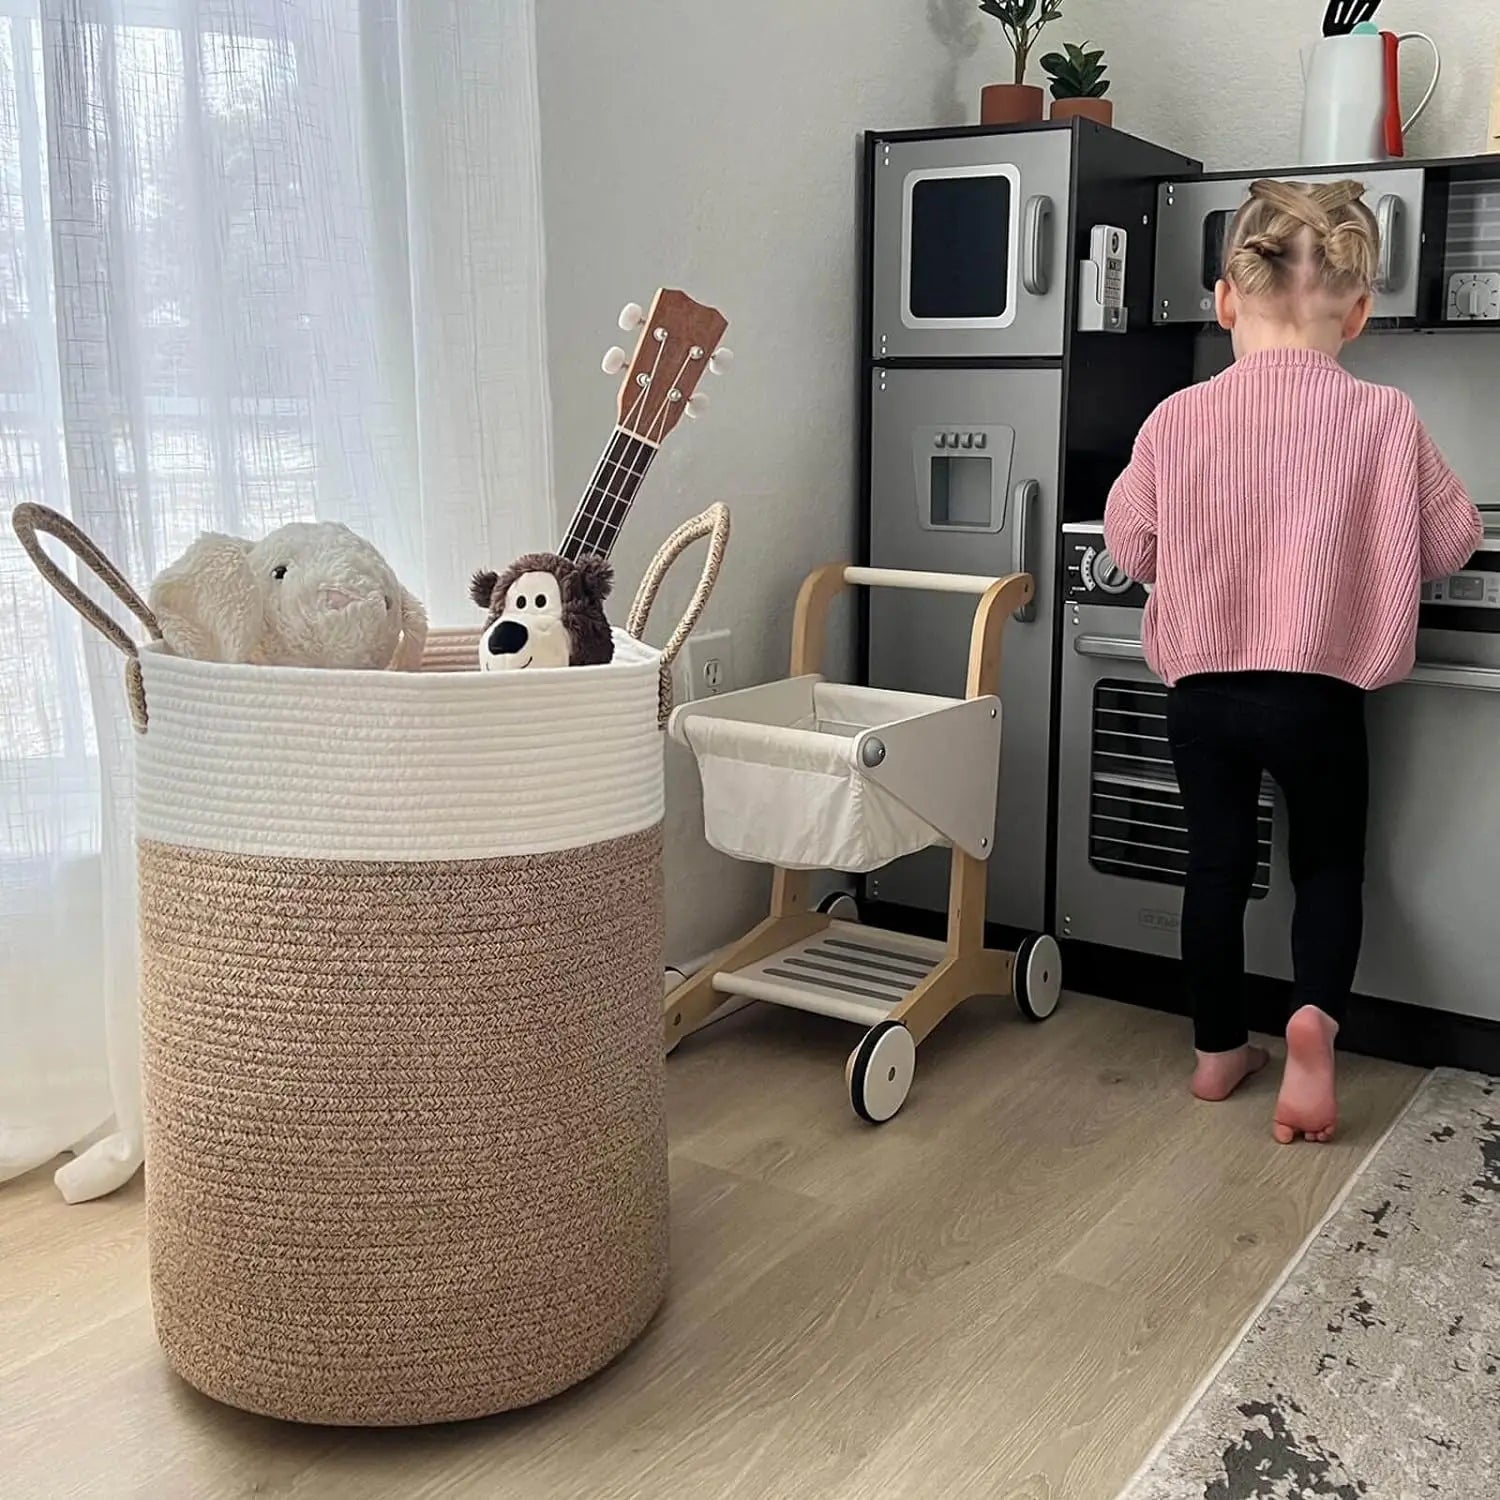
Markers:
point(905, 578)
point(998, 598)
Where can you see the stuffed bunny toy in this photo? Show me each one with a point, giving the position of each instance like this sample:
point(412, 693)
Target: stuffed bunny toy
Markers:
point(312, 594)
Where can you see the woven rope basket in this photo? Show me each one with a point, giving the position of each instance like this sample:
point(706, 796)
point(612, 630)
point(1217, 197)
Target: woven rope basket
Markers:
point(401, 1001)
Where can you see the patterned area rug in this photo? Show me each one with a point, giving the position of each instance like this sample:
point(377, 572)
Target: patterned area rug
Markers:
point(1375, 1370)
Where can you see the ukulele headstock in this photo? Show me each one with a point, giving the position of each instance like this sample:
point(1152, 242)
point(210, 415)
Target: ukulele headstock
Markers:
point(679, 340)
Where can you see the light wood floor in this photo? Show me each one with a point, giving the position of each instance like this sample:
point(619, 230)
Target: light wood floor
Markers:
point(1007, 1292)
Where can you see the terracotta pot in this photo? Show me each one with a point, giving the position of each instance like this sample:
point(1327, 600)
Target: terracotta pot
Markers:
point(1100, 111)
point(1010, 104)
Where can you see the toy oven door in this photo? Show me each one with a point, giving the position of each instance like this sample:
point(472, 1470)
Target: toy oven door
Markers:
point(1121, 831)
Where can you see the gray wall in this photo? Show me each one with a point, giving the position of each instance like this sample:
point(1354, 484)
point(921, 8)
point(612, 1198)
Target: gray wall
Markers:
point(712, 146)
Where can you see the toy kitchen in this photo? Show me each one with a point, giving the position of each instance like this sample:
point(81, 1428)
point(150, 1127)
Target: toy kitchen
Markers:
point(1031, 294)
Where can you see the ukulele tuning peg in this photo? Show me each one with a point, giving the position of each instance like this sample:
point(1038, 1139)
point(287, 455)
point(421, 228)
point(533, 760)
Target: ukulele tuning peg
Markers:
point(614, 360)
point(632, 315)
point(720, 360)
point(696, 405)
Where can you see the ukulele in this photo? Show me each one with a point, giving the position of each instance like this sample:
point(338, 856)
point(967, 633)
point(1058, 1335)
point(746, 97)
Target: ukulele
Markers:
point(679, 339)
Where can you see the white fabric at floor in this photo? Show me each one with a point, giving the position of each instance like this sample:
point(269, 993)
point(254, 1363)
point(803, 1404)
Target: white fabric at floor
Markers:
point(260, 260)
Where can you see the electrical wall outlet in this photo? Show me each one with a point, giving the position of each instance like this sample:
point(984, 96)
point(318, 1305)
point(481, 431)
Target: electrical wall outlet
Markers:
point(708, 665)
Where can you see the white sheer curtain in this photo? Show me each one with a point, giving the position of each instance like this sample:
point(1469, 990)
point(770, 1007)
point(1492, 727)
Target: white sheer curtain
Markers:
point(260, 260)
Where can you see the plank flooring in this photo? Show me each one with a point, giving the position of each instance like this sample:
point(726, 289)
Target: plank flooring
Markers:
point(1009, 1291)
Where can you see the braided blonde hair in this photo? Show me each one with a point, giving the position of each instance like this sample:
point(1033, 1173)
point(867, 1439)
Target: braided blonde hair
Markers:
point(1302, 236)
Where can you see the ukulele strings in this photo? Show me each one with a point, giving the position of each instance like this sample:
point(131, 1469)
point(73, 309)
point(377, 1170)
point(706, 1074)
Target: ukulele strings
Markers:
point(587, 517)
point(611, 517)
point(659, 421)
point(605, 508)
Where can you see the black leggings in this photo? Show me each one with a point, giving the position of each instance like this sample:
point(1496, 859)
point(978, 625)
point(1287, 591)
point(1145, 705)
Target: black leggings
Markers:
point(1226, 732)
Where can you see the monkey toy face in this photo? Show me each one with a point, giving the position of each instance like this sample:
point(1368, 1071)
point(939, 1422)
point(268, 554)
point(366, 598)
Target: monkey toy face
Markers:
point(529, 631)
point(544, 611)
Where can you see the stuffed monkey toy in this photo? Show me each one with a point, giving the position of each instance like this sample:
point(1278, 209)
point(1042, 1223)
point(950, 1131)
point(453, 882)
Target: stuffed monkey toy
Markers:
point(545, 611)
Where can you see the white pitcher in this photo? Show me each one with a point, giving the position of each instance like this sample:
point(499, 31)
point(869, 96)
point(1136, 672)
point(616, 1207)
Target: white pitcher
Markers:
point(1347, 103)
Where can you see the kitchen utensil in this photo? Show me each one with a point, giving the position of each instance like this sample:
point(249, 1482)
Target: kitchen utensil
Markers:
point(1349, 100)
point(1342, 16)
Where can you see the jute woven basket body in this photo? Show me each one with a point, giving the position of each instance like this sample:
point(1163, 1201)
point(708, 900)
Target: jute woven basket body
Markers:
point(401, 1006)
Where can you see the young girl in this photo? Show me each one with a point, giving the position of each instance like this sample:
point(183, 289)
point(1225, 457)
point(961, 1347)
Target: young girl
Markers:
point(1287, 515)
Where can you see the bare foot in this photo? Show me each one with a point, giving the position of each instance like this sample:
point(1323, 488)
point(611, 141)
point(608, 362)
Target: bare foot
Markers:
point(1308, 1104)
point(1219, 1074)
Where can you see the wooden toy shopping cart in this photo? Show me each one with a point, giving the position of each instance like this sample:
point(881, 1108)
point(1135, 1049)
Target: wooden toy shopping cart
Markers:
point(805, 774)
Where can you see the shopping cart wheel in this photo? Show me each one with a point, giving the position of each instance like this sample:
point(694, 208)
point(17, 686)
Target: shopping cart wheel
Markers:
point(1038, 976)
point(841, 906)
point(880, 1071)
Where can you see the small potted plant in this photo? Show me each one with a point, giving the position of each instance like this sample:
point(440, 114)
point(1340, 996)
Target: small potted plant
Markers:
point(1022, 21)
point(1079, 84)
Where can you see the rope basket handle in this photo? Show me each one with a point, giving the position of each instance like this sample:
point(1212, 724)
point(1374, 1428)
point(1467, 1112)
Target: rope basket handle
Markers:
point(30, 521)
point(713, 524)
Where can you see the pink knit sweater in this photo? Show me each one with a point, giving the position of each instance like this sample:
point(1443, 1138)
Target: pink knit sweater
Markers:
point(1287, 515)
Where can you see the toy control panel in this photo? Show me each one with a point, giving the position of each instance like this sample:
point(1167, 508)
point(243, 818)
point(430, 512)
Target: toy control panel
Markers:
point(1090, 573)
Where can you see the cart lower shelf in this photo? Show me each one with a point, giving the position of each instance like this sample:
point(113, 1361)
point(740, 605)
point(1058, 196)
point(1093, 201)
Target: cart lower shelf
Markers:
point(847, 971)
point(896, 985)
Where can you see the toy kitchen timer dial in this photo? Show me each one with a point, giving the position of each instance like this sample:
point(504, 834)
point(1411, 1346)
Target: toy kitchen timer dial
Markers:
point(1474, 297)
point(1109, 576)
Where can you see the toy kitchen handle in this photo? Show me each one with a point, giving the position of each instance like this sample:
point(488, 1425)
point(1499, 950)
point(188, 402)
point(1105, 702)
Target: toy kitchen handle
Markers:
point(30, 522)
point(713, 524)
point(1437, 73)
point(1036, 245)
point(1447, 674)
point(1109, 647)
point(1390, 271)
point(1025, 498)
point(1424, 674)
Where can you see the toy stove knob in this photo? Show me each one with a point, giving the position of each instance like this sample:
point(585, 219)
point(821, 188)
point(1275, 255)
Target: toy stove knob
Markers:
point(1109, 576)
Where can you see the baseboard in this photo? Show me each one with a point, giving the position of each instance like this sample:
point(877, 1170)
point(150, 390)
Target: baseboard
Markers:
point(1373, 1028)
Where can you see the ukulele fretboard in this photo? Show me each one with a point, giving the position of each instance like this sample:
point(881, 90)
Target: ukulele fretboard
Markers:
point(607, 500)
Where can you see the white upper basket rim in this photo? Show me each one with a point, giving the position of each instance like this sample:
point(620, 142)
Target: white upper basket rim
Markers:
point(630, 655)
point(439, 765)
